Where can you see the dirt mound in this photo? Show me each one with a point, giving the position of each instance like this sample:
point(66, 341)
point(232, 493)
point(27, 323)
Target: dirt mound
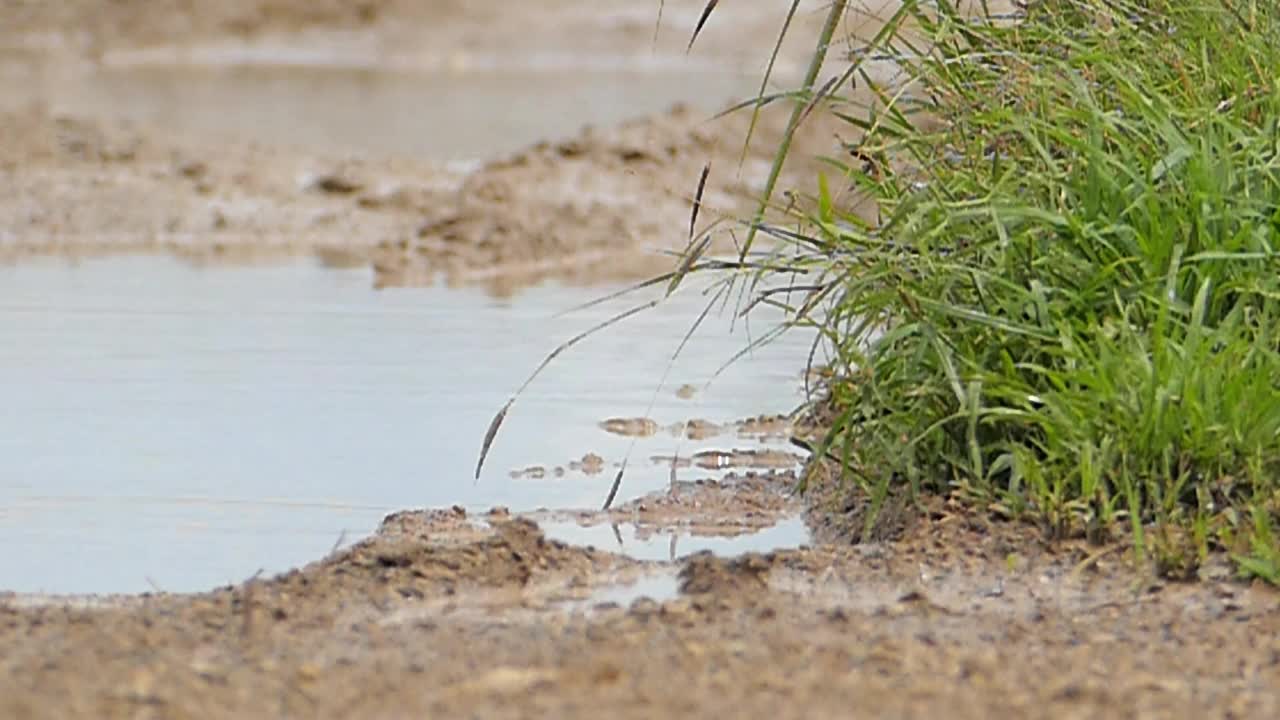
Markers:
point(511, 556)
point(743, 578)
point(841, 517)
point(77, 186)
point(736, 503)
point(596, 208)
point(602, 204)
point(433, 554)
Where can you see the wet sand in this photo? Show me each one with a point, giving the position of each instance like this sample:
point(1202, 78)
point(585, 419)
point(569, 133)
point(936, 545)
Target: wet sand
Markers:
point(446, 614)
point(596, 204)
point(598, 207)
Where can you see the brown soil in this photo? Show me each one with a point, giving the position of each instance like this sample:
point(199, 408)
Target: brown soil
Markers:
point(440, 614)
point(585, 205)
point(591, 209)
point(445, 615)
point(601, 206)
point(77, 186)
point(742, 502)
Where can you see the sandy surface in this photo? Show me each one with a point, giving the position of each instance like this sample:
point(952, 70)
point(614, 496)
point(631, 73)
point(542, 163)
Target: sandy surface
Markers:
point(602, 205)
point(598, 207)
point(445, 615)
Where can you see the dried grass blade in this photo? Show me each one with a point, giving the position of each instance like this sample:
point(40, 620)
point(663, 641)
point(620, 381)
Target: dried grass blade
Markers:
point(764, 82)
point(751, 346)
point(697, 198)
point(497, 420)
point(492, 433)
point(706, 310)
point(755, 102)
point(818, 97)
point(706, 13)
point(657, 25)
point(834, 15)
point(656, 280)
point(691, 256)
point(808, 367)
point(617, 483)
point(764, 296)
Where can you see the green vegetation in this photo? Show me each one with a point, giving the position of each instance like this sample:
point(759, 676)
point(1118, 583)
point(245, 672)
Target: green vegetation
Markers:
point(1064, 304)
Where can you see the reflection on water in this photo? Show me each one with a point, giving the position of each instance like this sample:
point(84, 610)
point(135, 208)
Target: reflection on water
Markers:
point(437, 115)
point(659, 586)
point(673, 545)
point(183, 427)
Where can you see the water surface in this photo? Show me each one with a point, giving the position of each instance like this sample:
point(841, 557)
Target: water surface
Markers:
point(177, 427)
point(673, 544)
point(428, 114)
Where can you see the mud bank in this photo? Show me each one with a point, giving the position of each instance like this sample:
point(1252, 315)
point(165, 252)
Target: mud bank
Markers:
point(603, 205)
point(598, 204)
point(451, 615)
point(83, 187)
point(600, 207)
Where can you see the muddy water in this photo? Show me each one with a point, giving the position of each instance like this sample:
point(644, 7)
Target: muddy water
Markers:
point(670, 544)
point(658, 586)
point(451, 115)
point(172, 426)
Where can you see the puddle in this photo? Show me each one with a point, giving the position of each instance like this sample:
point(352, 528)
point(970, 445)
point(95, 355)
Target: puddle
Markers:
point(657, 586)
point(673, 544)
point(179, 427)
point(434, 115)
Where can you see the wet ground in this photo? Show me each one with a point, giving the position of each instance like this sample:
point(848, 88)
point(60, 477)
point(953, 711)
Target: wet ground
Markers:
point(452, 615)
point(444, 149)
point(271, 266)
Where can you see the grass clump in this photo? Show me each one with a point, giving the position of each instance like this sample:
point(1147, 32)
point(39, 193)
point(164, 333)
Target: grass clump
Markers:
point(1065, 303)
